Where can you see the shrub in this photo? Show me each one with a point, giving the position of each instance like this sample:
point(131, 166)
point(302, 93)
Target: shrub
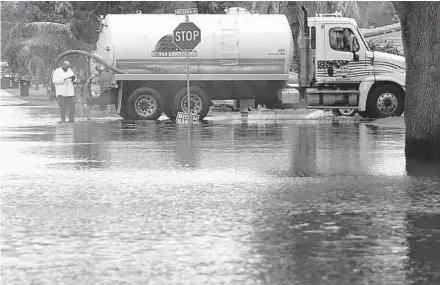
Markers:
point(384, 47)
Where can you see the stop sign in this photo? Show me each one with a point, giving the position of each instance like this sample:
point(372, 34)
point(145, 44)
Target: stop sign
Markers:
point(187, 36)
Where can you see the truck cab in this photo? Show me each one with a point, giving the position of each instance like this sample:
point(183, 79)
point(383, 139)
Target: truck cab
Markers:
point(344, 73)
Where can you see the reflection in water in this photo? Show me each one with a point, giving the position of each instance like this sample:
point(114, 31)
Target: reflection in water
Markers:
point(258, 202)
point(420, 168)
point(423, 222)
point(89, 144)
point(187, 150)
point(303, 155)
point(338, 149)
point(313, 148)
point(333, 231)
point(265, 132)
point(424, 248)
point(163, 138)
point(82, 145)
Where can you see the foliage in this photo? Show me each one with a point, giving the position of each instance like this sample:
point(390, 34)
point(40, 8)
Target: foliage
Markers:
point(217, 7)
point(387, 47)
point(382, 14)
point(34, 32)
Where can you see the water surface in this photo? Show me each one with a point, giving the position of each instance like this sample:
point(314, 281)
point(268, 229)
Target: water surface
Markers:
point(257, 202)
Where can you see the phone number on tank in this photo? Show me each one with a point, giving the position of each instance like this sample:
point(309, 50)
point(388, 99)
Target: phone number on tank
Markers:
point(173, 54)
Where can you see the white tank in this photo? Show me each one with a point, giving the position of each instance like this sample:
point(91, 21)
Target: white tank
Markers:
point(234, 43)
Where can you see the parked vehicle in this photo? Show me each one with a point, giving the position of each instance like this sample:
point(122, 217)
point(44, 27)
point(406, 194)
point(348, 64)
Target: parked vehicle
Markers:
point(245, 57)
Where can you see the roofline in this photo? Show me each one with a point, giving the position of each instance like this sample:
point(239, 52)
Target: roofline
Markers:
point(333, 20)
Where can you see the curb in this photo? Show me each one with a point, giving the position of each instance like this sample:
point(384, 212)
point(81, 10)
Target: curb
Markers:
point(7, 99)
point(15, 104)
point(390, 123)
point(385, 127)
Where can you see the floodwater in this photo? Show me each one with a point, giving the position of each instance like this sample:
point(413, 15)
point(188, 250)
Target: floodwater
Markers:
point(258, 202)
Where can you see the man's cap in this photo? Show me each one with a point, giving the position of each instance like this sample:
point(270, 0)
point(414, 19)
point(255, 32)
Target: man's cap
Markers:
point(66, 64)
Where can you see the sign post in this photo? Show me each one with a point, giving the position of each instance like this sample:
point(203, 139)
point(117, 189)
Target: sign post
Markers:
point(188, 93)
point(186, 37)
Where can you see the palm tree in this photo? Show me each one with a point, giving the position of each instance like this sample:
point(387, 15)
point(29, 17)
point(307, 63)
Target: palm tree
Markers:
point(32, 46)
point(28, 44)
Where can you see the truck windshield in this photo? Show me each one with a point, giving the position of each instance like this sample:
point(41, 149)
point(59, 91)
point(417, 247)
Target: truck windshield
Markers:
point(363, 39)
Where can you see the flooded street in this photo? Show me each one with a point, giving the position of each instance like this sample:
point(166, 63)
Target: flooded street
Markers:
point(107, 201)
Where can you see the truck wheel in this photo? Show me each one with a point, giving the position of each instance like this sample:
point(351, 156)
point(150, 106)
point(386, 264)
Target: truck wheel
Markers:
point(344, 112)
point(144, 104)
point(199, 102)
point(385, 101)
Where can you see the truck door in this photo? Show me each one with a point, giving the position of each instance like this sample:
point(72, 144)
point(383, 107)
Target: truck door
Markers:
point(338, 64)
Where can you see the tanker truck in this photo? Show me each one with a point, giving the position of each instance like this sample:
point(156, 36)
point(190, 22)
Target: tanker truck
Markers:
point(244, 57)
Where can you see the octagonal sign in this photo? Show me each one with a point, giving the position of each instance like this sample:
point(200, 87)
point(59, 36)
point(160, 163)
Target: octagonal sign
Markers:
point(187, 36)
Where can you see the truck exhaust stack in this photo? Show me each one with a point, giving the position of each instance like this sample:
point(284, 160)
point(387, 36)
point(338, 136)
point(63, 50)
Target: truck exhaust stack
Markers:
point(306, 21)
point(304, 53)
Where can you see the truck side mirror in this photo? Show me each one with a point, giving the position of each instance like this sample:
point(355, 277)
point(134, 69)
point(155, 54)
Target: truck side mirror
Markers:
point(352, 44)
point(353, 48)
point(355, 57)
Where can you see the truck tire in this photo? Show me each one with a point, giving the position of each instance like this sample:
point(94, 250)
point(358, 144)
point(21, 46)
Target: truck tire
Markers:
point(200, 101)
point(385, 101)
point(144, 104)
point(344, 112)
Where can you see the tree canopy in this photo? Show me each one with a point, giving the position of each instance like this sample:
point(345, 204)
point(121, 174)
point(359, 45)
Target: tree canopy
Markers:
point(35, 32)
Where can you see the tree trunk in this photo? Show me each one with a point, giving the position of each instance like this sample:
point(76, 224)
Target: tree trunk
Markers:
point(421, 43)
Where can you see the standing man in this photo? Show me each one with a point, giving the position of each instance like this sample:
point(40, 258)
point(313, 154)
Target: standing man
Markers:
point(63, 78)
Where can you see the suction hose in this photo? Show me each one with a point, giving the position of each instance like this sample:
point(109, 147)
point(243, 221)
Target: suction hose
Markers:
point(87, 91)
point(97, 58)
